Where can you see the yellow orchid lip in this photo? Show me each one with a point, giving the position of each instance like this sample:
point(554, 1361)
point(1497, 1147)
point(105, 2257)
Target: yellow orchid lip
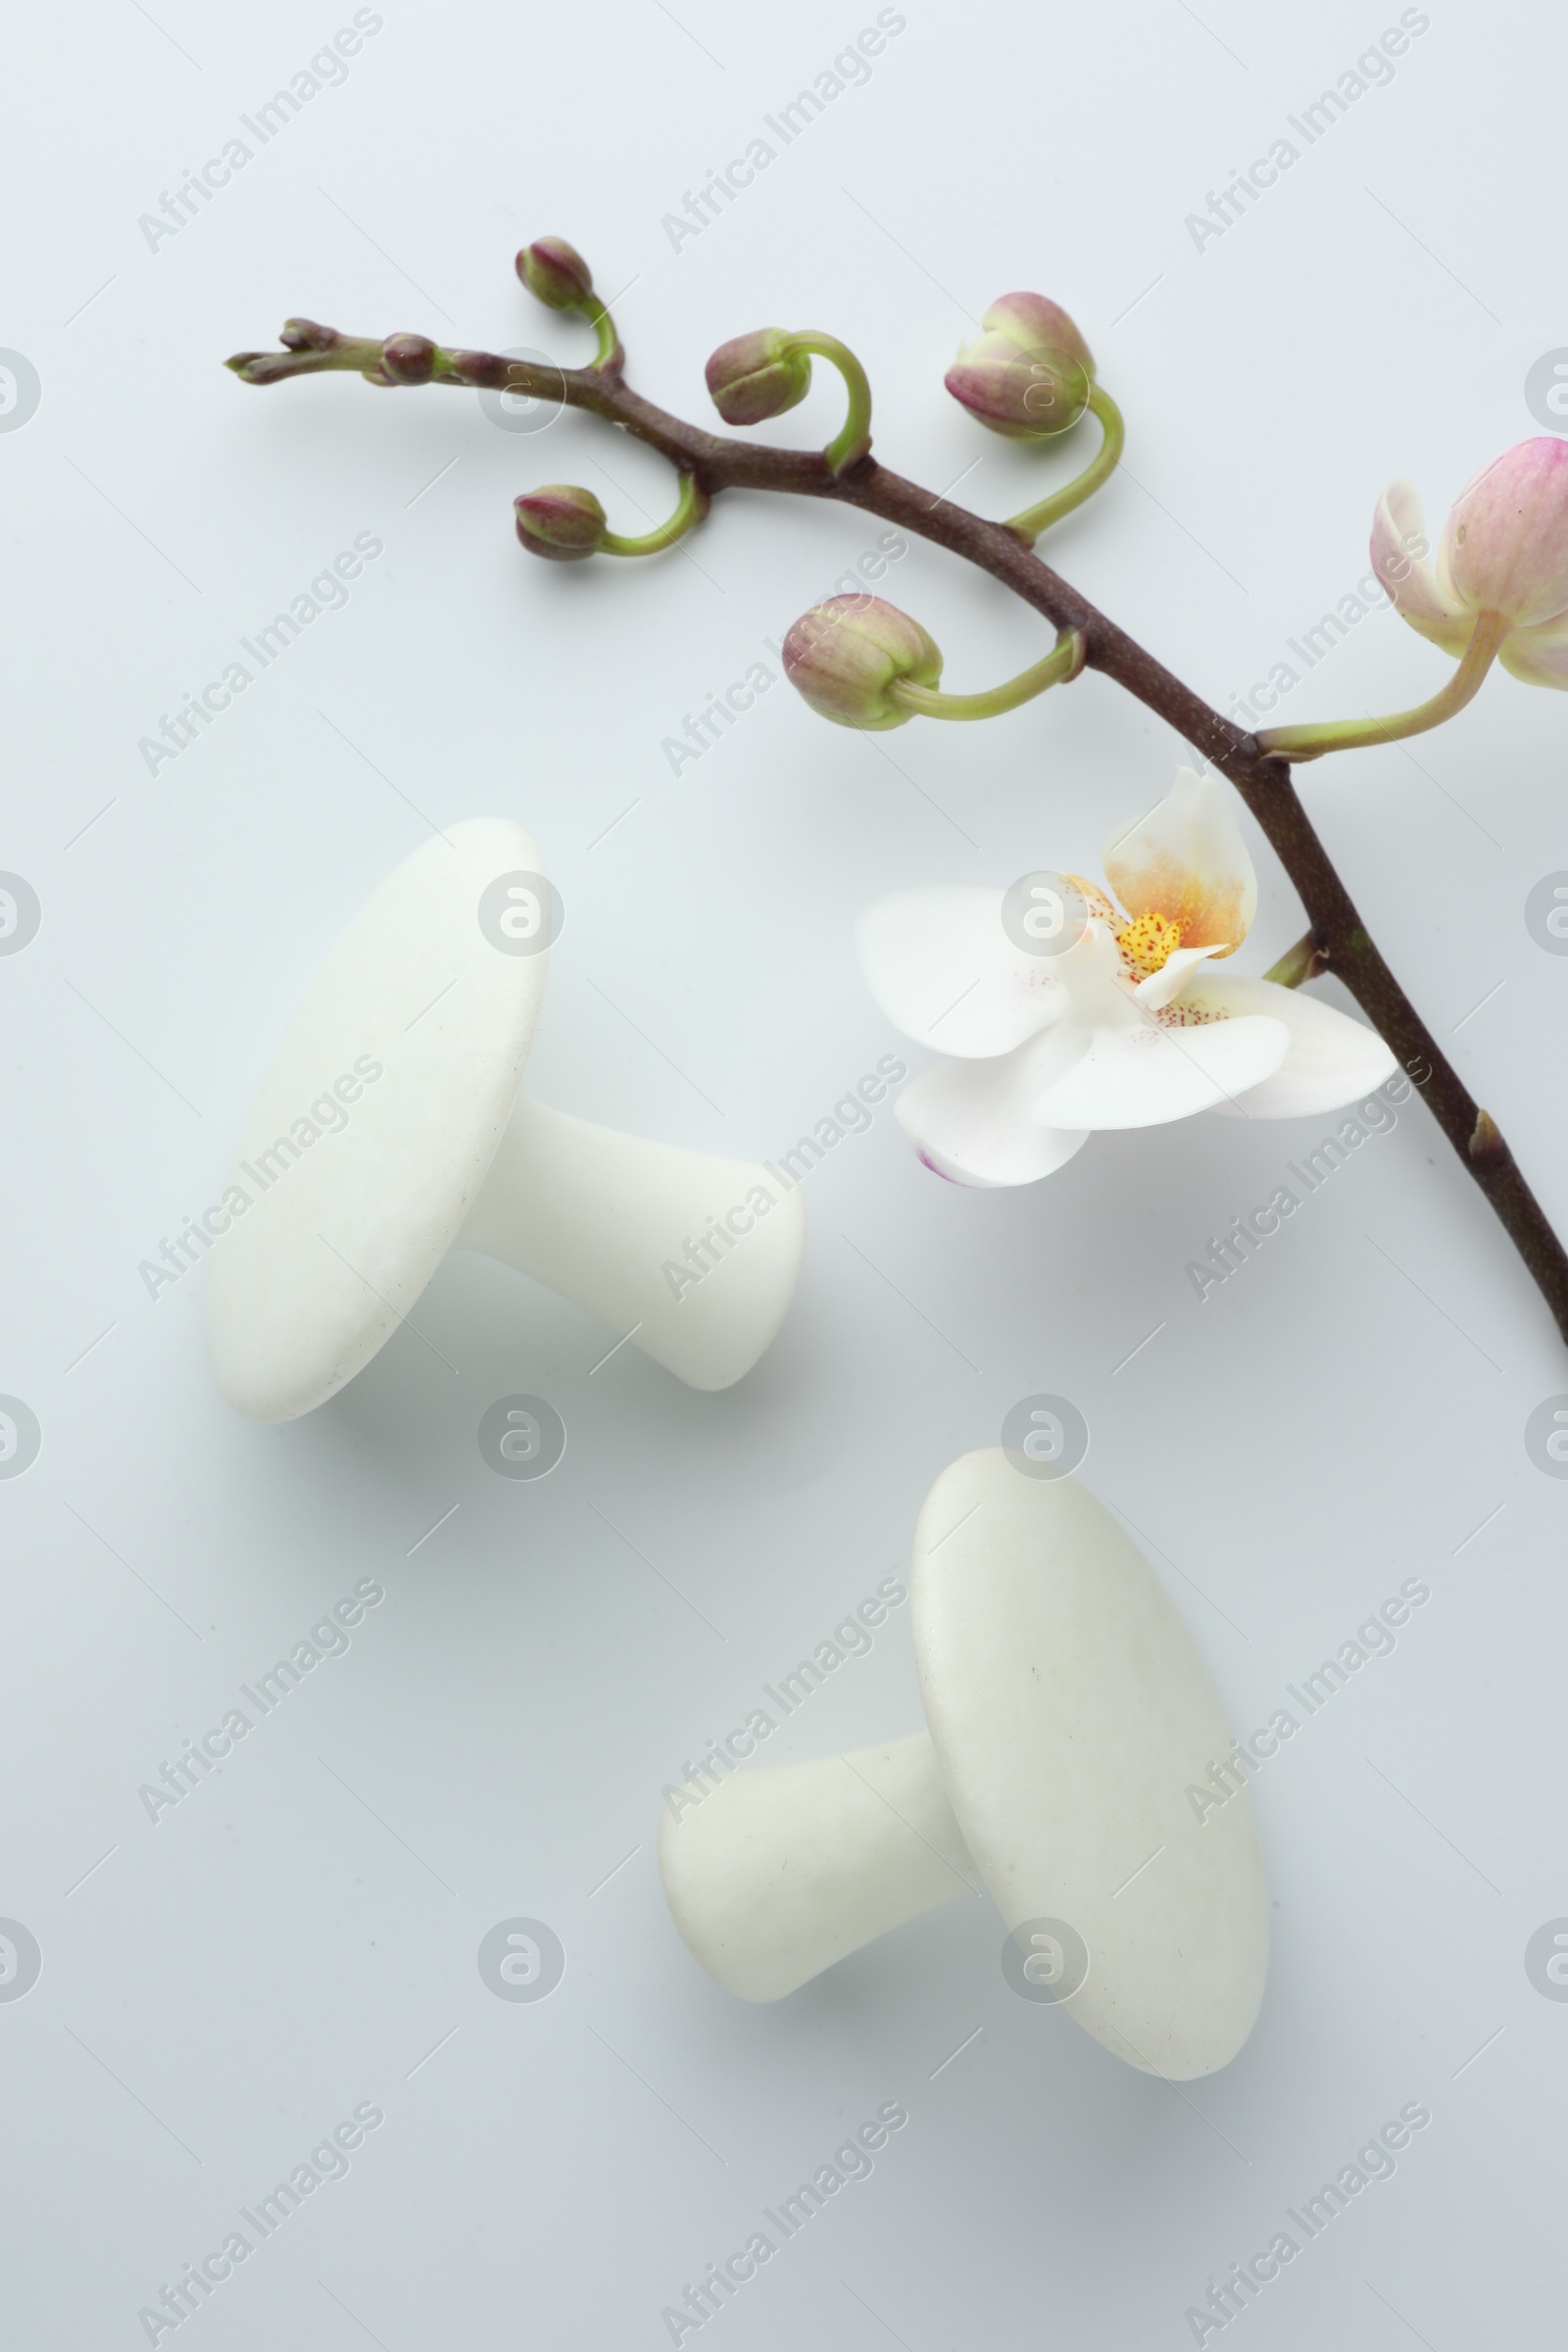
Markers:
point(1148, 941)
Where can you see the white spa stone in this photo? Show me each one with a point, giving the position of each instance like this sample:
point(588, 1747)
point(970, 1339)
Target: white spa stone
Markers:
point(1067, 1713)
point(411, 1044)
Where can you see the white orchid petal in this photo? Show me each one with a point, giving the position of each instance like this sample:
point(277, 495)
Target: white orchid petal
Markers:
point(1186, 861)
point(971, 1121)
point(1155, 1072)
point(1538, 656)
point(1156, 992)
point(1399, 545)
point(942, 969)
point(1330, 1059)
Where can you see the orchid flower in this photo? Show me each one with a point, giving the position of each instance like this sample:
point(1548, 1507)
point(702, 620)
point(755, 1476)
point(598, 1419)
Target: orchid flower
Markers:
point(1057, 1014)
point(1504, 550)
point(1498, 591)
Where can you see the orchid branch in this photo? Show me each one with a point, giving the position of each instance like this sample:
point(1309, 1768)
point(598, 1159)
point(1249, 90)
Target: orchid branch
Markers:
point(710, 463)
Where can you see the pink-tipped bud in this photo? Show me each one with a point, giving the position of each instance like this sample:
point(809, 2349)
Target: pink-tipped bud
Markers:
point(1506, 544)
point(756, 377)
point(1034, 322)
point(304, 334)
point(562, 522)
point(408, 359)
point(1027, 373)
point(844, 654)
point(556, 273)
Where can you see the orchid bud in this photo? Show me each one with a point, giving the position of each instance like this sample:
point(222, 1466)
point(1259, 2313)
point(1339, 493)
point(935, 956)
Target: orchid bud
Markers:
point(1027, 373)
point(562, 522)
point(844, 654)
point(408, 359)
point(756, 377)
point(1506, 545)
point(1033, 320)
point(556, 273)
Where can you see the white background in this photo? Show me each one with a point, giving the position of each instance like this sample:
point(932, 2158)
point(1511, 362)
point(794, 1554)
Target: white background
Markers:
point(300, 1934)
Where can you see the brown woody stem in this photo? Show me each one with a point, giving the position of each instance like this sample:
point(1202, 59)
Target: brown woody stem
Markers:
point(1341, 941)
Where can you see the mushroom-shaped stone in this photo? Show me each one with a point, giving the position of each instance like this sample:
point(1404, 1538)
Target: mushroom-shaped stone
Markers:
point(389, 1128)
point(1068, 1713)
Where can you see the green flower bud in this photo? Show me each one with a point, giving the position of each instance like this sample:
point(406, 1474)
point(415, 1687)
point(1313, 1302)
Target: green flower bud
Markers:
point(556, 273)
point(562, 522)
point(1027, 373)
point(408, 359)
point(756, 377)
point(304, 334)
point(842, 656)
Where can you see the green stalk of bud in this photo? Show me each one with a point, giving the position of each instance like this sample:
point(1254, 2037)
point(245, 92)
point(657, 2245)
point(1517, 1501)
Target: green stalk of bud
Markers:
point(760, 376)
point(1030, 374)
point(563, 523)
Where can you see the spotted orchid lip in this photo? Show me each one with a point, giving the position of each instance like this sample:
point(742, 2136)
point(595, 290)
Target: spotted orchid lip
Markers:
point(1149, 941)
